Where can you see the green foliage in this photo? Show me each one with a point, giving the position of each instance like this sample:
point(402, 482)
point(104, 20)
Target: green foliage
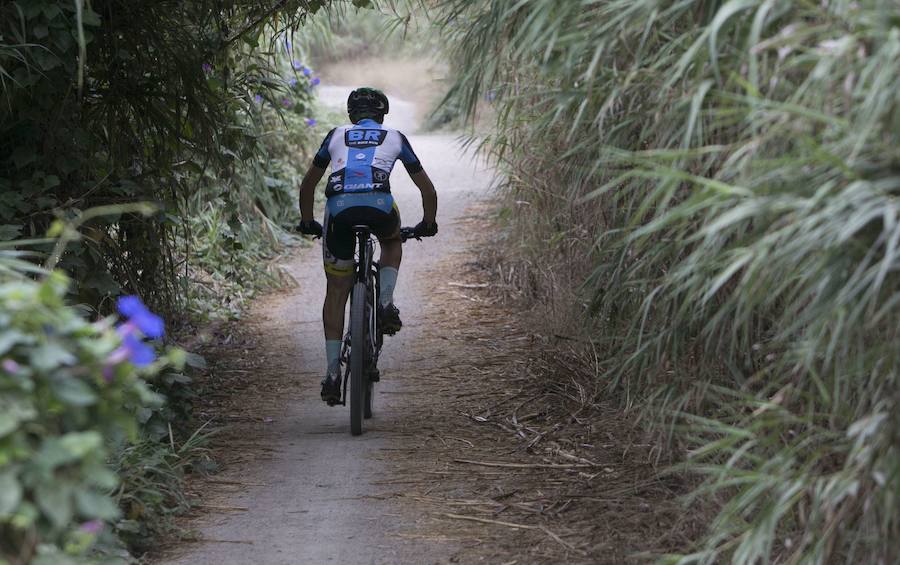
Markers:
point(152, 492)
point(726, 174)
point(65, 401)
point(147, 148)
point(234, 223)
point(101, 106)
point(353, 31)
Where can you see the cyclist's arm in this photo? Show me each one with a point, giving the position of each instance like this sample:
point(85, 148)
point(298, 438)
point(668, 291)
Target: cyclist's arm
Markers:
point(420, 177)
point(429, 195)
point(308, 191)
point(312, 178)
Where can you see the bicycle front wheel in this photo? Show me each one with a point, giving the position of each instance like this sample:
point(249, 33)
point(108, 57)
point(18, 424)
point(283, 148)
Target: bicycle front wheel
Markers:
point(358, 377)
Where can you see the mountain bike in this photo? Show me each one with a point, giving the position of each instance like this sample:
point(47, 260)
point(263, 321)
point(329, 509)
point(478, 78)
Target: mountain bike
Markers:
point(362, 344)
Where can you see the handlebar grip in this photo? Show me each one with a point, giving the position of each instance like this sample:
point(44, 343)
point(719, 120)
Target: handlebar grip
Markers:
point(409, 233)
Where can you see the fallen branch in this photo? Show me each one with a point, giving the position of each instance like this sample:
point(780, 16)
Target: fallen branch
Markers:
point(560, 541)
point(544, 529)
point(523, 465)
point(567, 455)
point(489, 521)
point(468, 285)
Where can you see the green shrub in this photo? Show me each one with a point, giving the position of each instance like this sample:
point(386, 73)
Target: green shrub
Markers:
point(238, 219)
point(108, 103)
point(68, 394)
point(344, 31)
point(122, 101)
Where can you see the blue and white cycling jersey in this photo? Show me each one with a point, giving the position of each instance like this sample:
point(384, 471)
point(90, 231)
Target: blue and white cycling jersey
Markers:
point(362, 157)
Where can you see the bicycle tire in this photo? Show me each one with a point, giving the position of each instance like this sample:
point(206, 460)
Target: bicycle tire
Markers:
point(358, 377)
point(371, 298)
point(369, 393)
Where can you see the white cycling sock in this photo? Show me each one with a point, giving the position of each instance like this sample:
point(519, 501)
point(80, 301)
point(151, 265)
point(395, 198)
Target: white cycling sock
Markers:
point(387, 279)
point(333, 354)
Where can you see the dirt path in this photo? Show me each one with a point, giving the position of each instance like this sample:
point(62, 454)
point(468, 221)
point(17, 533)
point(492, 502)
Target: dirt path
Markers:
point(308, 493)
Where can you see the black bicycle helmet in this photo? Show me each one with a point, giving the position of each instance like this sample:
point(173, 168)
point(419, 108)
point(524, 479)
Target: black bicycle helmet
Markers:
point(367, 102)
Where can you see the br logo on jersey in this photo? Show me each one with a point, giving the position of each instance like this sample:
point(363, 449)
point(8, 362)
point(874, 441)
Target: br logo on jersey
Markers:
point(360, 138)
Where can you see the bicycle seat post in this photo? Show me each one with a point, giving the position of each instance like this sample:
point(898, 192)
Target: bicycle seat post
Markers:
point(363, 233)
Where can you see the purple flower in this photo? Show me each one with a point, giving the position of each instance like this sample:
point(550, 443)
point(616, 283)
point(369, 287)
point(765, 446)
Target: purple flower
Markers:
point(138, 352)
point(10, 366)
point(141, 323)
point(292, 82)
point(132, 349)
point(207, 68)
point(149, 323)
point(307, 72)
point(315, 81)
point(258, 99)
point(120, 355)
point(92, 527)
point(310, 122)
point(298, 65)
point(287, 102)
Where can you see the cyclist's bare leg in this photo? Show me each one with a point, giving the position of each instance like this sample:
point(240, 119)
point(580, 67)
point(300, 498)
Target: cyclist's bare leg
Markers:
point(336, 294)
point(391, 252)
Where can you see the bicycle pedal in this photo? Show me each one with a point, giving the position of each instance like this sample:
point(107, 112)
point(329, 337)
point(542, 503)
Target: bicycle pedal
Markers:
point(332, 394)
point(331, 399)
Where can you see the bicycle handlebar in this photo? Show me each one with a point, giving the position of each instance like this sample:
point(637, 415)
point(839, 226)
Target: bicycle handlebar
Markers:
point(406, 233)
point(410, 233)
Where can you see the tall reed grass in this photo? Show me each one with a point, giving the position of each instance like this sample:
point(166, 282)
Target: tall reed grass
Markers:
point(726, 176)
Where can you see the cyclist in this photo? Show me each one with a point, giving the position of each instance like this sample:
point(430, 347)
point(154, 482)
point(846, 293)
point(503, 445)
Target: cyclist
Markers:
point(358, 192)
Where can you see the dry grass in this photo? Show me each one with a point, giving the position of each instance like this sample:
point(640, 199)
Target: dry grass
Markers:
point(514, 455)
point(727, 172)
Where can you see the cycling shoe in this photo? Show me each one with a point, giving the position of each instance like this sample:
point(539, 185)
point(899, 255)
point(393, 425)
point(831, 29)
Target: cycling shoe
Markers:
point(390, 319)
point(331, 389)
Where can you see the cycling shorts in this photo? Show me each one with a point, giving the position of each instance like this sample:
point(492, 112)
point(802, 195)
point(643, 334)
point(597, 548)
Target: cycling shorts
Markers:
point(343, 211)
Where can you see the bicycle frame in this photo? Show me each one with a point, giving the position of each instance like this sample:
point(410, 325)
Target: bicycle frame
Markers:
point(365, 265)
point(363, 342)
point(365, 249)
point(366, 272)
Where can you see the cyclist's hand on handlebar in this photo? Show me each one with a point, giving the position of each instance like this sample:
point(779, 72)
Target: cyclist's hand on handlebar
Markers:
point(311, 227)
point(426, 229)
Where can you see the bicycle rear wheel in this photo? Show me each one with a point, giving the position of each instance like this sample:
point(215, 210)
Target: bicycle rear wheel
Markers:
point(358, 377)
point(369, 392)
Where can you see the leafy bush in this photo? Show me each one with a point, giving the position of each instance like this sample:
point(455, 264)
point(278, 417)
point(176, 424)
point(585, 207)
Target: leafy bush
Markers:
point(70, 390)
point(235, 220)
point(347, 30)
point(118, 101)
point(194, 107)
point(724, 176)
point(197, 108)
